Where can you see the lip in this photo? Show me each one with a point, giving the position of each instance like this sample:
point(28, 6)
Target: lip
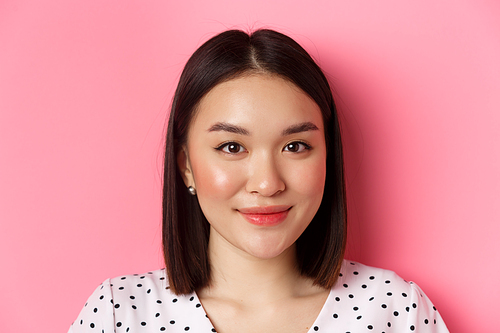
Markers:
point(265, 215)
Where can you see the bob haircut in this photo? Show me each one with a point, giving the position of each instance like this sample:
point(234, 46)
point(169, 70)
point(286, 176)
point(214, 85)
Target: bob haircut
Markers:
point(232, 54)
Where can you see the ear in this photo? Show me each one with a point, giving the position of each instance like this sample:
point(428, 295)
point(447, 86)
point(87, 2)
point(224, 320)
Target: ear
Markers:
point(185, 167)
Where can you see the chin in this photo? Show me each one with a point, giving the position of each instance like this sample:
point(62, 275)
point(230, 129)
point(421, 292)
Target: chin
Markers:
point(267, 251)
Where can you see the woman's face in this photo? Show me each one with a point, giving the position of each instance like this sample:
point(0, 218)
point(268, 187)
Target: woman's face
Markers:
point(256, 156)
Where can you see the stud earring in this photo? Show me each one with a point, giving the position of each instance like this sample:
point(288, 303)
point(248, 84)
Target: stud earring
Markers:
point(192, 190)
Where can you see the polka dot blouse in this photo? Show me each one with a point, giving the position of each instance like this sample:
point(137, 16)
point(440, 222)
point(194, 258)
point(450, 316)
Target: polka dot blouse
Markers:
point(365, 299)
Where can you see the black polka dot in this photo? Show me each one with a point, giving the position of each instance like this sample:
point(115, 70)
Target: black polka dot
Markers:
point(160, 295)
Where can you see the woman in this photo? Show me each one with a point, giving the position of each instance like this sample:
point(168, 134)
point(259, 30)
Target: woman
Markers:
point(254, 212)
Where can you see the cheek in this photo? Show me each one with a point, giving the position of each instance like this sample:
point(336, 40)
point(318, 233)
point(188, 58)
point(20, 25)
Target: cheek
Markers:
point(215, 181)
point(309, 179)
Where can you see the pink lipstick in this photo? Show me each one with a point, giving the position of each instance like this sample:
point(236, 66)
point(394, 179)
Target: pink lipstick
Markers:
point(265, 215)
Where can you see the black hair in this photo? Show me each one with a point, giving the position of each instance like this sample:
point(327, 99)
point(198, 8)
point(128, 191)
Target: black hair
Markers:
point(231, 54)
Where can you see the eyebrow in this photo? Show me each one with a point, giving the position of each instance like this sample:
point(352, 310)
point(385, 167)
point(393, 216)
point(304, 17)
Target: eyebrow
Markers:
point(226, 127)
point(298, 128)
point(293, 129)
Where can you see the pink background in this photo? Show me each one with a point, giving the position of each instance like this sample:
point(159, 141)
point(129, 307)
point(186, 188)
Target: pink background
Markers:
point(84, 93)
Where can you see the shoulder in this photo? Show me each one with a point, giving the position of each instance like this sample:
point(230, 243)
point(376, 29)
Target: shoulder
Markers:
point(373, 287)
point(146, 283)
point(378, 299)
point(135, 301)
point(147, 293)
point(355, 272)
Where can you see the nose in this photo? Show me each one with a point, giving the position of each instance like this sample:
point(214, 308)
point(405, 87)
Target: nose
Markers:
point(265, 177)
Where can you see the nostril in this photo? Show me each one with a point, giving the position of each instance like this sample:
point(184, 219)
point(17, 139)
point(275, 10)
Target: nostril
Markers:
point(266, 187)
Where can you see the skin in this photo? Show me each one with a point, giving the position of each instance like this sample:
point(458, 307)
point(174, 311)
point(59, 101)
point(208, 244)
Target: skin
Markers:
point(257, 141)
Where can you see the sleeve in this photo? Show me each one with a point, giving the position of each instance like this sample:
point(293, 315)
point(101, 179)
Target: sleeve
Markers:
point(97, 314)
point(423, 316)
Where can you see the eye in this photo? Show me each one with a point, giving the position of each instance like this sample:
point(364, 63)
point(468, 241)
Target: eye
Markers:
point(297, 147)
point(231, 148)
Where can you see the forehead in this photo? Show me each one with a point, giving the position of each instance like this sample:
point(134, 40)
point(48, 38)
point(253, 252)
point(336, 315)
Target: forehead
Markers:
point(256, 101)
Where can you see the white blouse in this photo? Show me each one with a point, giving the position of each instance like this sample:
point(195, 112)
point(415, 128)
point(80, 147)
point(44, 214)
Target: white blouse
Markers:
point(364, 299)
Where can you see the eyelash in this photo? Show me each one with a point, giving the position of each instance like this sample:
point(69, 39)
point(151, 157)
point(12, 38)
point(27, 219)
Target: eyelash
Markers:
point(306, 146)
point(226, 144)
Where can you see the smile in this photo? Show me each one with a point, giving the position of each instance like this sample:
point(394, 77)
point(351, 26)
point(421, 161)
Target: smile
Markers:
point(265, 215)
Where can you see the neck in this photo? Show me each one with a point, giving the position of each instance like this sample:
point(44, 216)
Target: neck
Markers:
point(238, 275)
